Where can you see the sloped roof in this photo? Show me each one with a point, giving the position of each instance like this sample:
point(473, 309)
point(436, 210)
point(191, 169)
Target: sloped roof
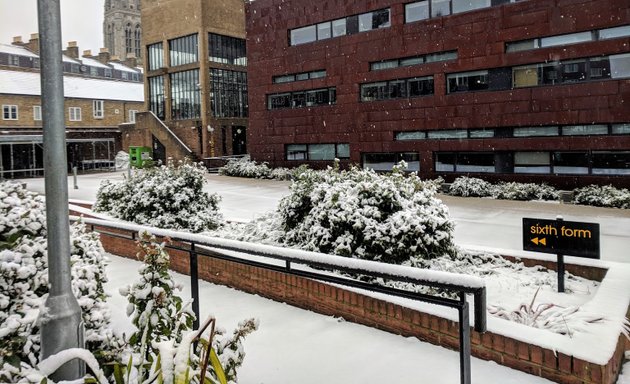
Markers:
point(122, 67)
point(16, 50)
point(28, 83)
point(94, 63)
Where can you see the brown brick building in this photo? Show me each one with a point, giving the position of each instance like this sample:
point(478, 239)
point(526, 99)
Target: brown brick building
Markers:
point(100, 94)
point(196, 80)
point(534, 90)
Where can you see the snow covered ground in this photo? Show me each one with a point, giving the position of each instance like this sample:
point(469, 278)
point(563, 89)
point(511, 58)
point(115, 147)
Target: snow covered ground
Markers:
point(479, 222)
point(297, 346)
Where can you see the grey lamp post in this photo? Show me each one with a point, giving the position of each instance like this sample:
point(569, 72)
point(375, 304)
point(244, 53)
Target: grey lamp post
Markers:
point(60, 321)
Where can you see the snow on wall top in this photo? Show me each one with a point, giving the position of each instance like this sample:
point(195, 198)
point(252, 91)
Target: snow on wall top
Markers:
point(16, 50)
point(28, 83)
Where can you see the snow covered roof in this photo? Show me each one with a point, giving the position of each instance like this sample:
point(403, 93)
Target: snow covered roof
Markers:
point(28, 83)
point(122, 67)
point(16, 50)
point(140, 69)
point(93, 63)
point(68, 59)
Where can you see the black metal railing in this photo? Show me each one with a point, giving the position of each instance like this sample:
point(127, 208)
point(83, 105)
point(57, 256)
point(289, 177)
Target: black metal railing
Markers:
point(300, 263)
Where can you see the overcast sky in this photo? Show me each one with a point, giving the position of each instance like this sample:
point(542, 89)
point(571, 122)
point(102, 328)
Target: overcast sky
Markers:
point(81, 21)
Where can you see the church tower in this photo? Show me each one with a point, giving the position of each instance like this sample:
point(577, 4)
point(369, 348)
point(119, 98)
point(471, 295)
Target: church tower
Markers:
point(122, 32)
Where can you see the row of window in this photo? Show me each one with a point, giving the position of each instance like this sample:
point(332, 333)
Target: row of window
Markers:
point(341, 27)
point(315, 152)
point(301, 99)
point(570, 71)
point(299, 77)
point(422, 10)
point(542, 131)
point(558, 162)
point(185, 50)
point(71, 67)
point(570, 38)
point(396, 89)
point(414, 60)
point(10, 112)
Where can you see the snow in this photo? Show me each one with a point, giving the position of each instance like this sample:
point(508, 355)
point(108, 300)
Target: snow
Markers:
point(16, 50)
point(245, 199)
point(624, 377)
point(122, 67)
point(298, 346)
point(52, 363)
point(28, 83)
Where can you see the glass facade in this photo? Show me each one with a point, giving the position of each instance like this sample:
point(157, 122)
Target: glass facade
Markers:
point(396, 89)
point(156, 96)
point(228, 94)
point(301, 99)
point(227, 49)
point(185, 95)
point(567, 39)
point(314, 152)
point(183, 50)
point(414, 60)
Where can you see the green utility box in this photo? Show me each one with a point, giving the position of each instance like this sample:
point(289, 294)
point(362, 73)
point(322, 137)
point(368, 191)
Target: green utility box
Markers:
point(139, 157)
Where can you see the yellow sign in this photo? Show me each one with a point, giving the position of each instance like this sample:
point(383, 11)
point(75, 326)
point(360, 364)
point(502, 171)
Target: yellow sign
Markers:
point(537, 241)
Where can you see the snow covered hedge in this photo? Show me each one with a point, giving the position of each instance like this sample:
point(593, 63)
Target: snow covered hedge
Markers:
point(24, 281)
point(359, 213)
point(168, 196)
point(474, 187)
point(602, 196)
point(245, 167)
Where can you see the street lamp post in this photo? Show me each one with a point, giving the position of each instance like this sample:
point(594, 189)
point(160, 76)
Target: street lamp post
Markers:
point(60, 321)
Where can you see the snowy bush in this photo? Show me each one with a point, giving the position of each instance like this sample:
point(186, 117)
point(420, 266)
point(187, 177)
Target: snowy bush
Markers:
point(470, 187)
point(24, 280)
point(245, 167)
point(167, 197)
point(602, 196)
point(524, 191)
point(358, 213)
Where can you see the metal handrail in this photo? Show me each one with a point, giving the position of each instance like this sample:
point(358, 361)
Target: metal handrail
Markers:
point(205, 246)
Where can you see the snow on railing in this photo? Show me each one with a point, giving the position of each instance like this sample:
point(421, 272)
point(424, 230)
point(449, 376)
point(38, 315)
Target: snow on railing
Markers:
point(171, 132)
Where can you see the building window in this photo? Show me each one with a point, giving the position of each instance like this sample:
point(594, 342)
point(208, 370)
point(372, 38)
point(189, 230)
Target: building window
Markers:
point(315, 152)
point(185, 95)
point(98, 110)
point(156, 96)
point(300, 99)
point(448, 134)
point(155, 56)
point(414, 60)
point(620, 66)
point(476, 162)
point(535, 131)
point(621, 129)
point(567, 39)
point(532, 162)
point(108, 72)
point(228, 94)
point(14, 60)
point(128, 39)
point(583, 130)
point(610, 163)
point(492, 79)
point(93, 71)
point(74, 113)
point(416, 11)
point(340, 27)
point(299, 77)
point(183, 50)
point(37, 112)
point(573, 163)
point(137, 36)
point(396, 89)
point(469, 5)
point(413, 135)
point(132, 115)
point(384, 162)
point(9, 112)
point(227, 49)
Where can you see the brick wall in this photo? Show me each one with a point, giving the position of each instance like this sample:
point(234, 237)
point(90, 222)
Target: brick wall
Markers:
point(352, 306)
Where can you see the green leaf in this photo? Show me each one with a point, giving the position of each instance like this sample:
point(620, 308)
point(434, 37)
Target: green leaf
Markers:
point(118, 374)
point(216, 364)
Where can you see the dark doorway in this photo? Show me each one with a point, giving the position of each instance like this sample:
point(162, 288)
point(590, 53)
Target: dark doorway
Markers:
point(159, 152)
point(239, 140)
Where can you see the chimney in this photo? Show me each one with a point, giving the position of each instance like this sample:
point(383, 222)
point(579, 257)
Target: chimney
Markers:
point(131, 60)
point(103, 55)
point(87, 53)
point(17, 40)
point(72, 50)
point(115, 58)
point(33, 43)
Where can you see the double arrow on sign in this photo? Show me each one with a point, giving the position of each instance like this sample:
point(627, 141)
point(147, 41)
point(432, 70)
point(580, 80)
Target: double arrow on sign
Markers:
point(537, 241)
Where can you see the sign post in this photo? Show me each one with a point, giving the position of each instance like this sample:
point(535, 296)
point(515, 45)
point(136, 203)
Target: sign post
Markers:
point(562, 238)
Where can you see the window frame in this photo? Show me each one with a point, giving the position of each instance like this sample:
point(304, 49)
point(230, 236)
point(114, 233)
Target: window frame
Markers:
point(37, 113)
point(10, 112)
point(98, 109)
point(74, 113)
